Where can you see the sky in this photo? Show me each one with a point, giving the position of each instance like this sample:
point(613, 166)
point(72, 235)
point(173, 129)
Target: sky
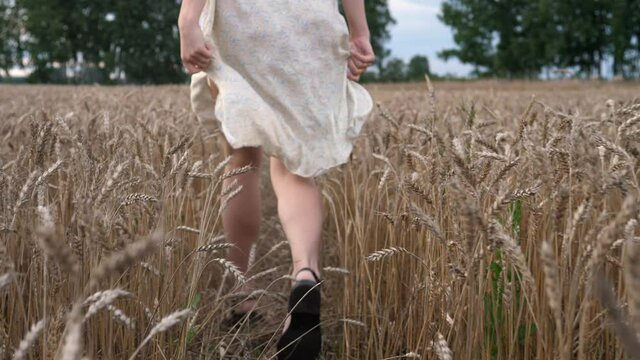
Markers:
point(418, 31)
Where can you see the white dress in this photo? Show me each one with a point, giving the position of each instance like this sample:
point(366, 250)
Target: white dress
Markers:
point(280, 67)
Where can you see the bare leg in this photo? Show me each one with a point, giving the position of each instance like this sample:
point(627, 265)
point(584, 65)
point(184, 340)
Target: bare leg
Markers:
point(300, 212)
point(242, 217)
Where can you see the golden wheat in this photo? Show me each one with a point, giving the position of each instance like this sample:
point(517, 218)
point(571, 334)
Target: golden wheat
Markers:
point(481, 223)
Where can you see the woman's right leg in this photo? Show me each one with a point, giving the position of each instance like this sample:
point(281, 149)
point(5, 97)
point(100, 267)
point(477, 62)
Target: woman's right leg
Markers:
point(242, 217)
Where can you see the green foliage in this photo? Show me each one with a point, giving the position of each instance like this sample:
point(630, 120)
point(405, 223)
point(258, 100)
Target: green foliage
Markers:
point(471, 25)
point(193, 330)
point(494, 306)
point(196, 301)
point(494, 300)
point(86, 41)
point(521, 38)
point(396, 70)
point(153, 54)
point(417, 68)
point(516, 218)
point(9, 35)
point(379, 19)
point(95, 41)
point(368, 77)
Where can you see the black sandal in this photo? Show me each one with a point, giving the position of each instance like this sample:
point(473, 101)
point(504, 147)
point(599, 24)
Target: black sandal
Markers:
point(303, 339)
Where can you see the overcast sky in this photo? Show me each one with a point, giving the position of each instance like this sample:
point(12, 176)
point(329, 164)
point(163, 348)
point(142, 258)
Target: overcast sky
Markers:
point(418, 31)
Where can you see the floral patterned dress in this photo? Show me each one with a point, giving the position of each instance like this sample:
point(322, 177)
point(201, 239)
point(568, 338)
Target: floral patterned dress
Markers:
point(280, 67)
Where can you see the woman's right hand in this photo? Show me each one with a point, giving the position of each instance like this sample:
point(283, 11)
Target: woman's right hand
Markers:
point(361, 52)
point(361, 56)
point(196, 54)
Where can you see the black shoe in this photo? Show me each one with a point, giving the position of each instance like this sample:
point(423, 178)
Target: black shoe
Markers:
point(303, 339)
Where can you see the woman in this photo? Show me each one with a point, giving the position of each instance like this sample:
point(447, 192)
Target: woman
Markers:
point(279, 77)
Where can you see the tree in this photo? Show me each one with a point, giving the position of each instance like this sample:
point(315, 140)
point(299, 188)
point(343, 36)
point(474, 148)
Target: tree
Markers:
point(625, 16)
point(471, 25)
point(522, 37)
point(635, 14)
point(138, 41)
point(132, 41)
point(498, 37)
point(417, 68)
point(582, 34)
point(56, 37)
point(147, 41)
point(540, 24)
point(9, 35)
point(394, 71)
point(66, 37)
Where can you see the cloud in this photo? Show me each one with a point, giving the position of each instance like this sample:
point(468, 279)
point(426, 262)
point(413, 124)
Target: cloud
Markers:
point(414, 15)
point(418, 31)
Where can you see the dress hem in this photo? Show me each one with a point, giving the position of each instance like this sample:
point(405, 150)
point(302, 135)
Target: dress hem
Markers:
point(269, 151)
point(205, 109)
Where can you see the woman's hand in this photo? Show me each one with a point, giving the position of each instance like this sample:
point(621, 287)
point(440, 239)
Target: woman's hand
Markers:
point(361, 56)
point(195, 52)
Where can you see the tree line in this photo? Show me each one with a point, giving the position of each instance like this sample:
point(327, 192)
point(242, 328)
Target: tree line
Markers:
point(397, 70)
point(117, 41)
point(526, 38)
point(92, 41)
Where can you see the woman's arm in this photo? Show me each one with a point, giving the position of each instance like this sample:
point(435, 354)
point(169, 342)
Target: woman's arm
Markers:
point(190, 11)
point(361, 52)
point(194, 51)
point(356, 18)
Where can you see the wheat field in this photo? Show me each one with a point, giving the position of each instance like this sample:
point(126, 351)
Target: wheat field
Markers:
point(481, 220)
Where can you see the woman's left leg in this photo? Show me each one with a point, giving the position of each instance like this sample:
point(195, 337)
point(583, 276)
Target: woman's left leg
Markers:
point(300, 212)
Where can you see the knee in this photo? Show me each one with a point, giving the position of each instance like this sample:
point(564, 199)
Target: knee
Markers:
point(280, 171)
point(246, 156)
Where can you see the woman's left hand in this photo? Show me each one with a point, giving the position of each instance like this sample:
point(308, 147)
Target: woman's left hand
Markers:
point(195, 52)
point(360, 58)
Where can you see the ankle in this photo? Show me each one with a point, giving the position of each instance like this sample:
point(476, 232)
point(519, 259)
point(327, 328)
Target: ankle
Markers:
point(303, 273)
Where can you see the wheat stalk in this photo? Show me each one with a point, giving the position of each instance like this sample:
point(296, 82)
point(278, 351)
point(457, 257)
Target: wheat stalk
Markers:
point(121, 316)
point(125, 258)
point(72, 347)
point(552, 285)
point(231, 268)
point(102, 299)
point(441, 348)
point(29, 339)
point(385, 253)
point(22, 198)
point(632, 273)
point(6, 279)
point(165, 324)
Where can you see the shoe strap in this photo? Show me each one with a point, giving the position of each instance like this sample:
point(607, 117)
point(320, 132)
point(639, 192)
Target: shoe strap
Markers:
point(315, 276)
